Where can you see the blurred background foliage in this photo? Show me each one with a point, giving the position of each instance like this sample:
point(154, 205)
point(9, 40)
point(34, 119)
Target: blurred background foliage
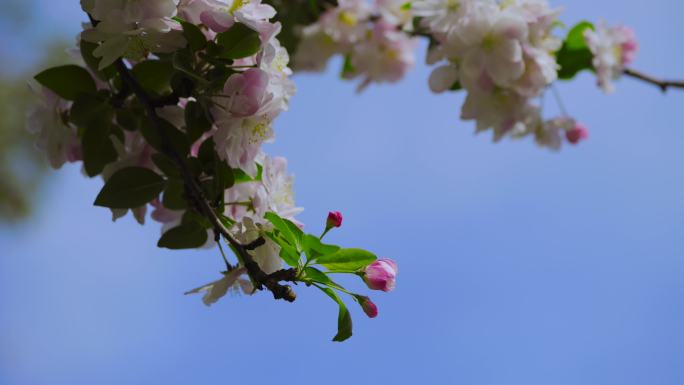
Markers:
point(22, 166)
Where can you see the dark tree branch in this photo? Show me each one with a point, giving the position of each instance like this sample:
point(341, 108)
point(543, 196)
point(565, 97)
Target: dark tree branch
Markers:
point(260, 278)
point(272, 282)
point(662, 84)
point(255, 243)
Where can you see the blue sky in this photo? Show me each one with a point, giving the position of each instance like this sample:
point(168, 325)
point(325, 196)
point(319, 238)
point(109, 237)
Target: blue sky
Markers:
point(518, 265)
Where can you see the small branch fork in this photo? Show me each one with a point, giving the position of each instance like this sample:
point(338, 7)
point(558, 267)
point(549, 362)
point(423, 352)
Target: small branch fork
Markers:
point(664, 85)
point(258, 276)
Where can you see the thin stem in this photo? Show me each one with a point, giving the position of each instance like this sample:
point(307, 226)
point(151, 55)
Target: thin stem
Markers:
point(662, 84)
point(229, 267)
point(559, 100)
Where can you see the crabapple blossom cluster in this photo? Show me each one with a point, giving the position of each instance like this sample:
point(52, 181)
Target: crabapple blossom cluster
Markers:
point(612, 48)
point(504, 54)
point(170, 103)
point(369, 36)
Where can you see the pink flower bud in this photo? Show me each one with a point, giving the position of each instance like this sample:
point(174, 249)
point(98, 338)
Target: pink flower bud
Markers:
point(381, 274)
point(368, 306)
point(577, 133)
point(334, 219)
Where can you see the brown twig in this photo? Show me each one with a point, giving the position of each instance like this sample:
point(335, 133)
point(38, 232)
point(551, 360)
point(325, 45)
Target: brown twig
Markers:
point(662, 84)
point(260, 278)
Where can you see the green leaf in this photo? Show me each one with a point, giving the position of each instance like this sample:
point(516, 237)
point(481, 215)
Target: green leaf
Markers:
point(170, 136)
point(196, 121)
point(315, 275)
point(314, 248)
point(174, 195)
point(223, 176)
point(130, 187)
point(127, 119)
point(166, 165)
point(93, 62)
point(287, 229)
point(194, 36)
point(344, 321)
point(348, 69)
point(241, 176)
point(238, 42)
point(90, 109)
point(207, 153)
point(574, 56)
point(154, 75)
point(182, 85)
point(456, 86)
point(191, 216)
point(183, 62)
point(347, 260)
point(575, 39)
point(188, 235)
point(68, 81)
point(288, 253)
point(98, 149)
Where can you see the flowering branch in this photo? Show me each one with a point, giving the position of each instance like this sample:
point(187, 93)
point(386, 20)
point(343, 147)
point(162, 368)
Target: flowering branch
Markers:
point(204, 207)
point(662, 84)
point(171, 105)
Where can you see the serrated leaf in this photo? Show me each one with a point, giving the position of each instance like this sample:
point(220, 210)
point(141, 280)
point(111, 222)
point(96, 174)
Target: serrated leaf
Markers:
point(189, 235)
point(238, 42)
point(67, 81)
point(346, 260)
point(130, 187)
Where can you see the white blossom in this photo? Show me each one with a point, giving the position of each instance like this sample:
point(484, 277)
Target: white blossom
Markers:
point(57, 138)
point(613, 48)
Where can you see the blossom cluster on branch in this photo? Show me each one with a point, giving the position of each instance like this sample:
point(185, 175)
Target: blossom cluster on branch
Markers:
point(170, 104)
point(171, 101)
point(504, 54)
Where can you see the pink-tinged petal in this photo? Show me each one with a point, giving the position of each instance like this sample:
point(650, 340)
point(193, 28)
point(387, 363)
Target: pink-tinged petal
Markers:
point(381, 275)
point(247, 92)
point(217, 21)
point(577, 134)
point(334, 219)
